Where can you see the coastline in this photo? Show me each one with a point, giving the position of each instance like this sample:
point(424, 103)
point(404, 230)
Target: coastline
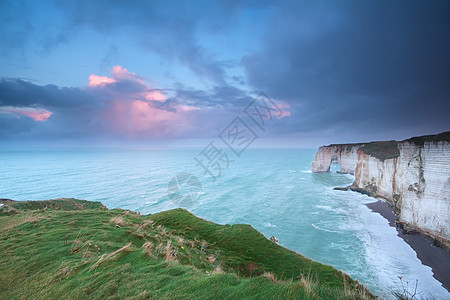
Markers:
point(437, 258)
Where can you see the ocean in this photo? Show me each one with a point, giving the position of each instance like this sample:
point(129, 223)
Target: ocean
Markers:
point(271, 189)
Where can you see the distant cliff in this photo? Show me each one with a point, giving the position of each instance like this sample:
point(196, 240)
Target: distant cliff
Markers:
point(414, 175)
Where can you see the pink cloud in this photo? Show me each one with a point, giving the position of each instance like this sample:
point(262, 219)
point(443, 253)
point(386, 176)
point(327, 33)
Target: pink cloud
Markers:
point(37, 114)
point(186, 108)
point(132, 112)
point(139, 118)
point(95, 80)
point(117, 74)
point(154, 96)
point(120, 74)
point(284, 109)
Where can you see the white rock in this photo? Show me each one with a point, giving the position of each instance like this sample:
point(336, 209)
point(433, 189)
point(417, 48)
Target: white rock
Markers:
point(417, 182)
point(345, 155)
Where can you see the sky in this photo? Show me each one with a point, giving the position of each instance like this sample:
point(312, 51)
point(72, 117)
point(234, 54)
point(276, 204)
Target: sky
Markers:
point(178, 72)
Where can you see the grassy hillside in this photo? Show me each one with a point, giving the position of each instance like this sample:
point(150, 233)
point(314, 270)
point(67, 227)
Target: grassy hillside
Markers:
point(75, 249)
point(382, 150)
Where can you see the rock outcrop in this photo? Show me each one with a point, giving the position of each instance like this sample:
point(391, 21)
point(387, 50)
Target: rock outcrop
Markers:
point(345, 155)
point(414, 175)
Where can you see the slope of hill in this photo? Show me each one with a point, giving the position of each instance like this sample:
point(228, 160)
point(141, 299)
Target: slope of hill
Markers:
point(75, 249)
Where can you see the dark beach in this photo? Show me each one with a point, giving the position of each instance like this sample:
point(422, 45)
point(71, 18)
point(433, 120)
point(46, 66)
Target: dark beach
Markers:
point(435, 257)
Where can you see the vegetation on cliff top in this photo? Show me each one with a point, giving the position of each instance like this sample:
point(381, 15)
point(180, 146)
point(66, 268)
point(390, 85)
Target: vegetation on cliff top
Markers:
point(389, 149)
point(382, 150)
point(420, 140)
point(75, 249)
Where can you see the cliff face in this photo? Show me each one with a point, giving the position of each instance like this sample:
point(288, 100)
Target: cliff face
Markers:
point(345, 155)
point(414, 175)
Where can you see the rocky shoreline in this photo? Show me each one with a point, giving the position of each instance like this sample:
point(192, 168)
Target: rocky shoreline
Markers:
point(437, 258)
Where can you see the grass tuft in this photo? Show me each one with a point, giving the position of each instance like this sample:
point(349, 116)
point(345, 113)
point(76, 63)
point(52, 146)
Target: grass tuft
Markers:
point(105, 257)
point(118, 220)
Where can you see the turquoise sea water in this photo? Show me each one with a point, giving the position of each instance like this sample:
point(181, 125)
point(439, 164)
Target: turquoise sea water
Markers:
point(271, 189)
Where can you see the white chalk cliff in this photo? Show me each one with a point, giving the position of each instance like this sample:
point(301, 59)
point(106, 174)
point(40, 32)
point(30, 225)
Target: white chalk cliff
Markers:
point(345, 155)
point(414, 175)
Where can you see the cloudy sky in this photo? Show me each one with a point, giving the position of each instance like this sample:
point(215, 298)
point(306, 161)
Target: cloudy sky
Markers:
point(155, 72)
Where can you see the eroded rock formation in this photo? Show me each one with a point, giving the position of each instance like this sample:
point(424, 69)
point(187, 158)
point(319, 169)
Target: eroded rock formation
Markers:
point(414, 175)
point(345, 155)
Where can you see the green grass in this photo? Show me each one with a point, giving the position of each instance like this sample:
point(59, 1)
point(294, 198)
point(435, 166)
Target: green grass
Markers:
point(73, 249)
point(420, 140)
point(55, 204)
point(389, 149)
point(382, 150)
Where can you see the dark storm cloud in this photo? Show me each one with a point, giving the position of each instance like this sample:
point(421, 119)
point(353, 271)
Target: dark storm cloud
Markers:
point(219, 97)
point(10, 126)
point(341, 66)
point(169, 28)
point(74, 111)
point(371, 65)
point(20, 93)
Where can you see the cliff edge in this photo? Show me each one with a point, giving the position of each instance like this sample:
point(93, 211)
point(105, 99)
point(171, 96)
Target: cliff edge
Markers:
point(413, 175)
point(76, 249)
